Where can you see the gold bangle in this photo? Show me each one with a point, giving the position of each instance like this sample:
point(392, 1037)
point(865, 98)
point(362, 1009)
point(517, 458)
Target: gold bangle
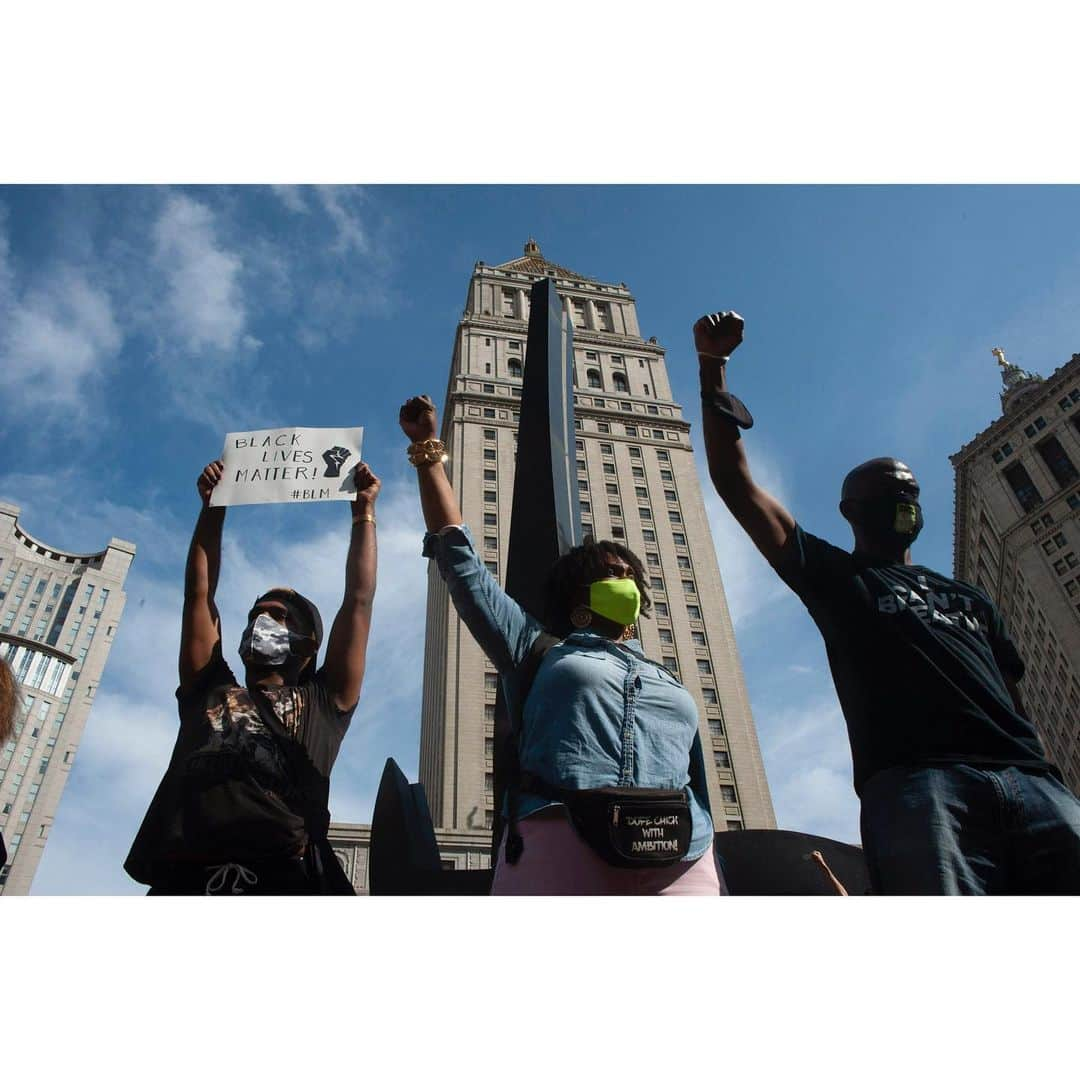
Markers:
point(365, 517)
point(427, 452)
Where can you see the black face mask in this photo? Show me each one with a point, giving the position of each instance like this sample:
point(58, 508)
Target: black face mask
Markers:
point(891, 519)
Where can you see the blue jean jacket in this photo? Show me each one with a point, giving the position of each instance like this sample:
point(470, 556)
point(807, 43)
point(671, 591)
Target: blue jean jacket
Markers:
point(599, 713)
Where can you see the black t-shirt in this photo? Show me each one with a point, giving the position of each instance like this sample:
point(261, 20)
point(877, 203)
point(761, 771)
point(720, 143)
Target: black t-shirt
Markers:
point(917, 659)
point(231, 790)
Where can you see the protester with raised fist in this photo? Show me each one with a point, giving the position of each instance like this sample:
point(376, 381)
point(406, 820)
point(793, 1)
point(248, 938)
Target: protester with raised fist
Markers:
point(243, 806)
point(608, 792)
point(957, 793)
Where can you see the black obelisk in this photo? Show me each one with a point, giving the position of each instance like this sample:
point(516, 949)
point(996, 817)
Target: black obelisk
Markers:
point(545, 521)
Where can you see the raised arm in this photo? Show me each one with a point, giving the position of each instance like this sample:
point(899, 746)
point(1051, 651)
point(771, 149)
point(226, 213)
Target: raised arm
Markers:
point(437, 499)
point(499, 624)
point(200, 625)
point(346, 648)
point(763, 519)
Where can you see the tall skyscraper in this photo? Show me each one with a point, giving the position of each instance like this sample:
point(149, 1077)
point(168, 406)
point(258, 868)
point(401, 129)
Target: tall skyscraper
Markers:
point(1017, 534)
point(637, 483)
point(58, 617)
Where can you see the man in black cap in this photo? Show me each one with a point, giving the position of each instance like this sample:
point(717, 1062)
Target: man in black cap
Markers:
point(957, 793)
point(243, 806)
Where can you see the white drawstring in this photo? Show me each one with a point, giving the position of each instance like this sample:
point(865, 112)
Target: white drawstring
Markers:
point(218, 879)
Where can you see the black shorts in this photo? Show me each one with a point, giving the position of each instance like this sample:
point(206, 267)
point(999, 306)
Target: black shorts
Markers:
point(242, 877)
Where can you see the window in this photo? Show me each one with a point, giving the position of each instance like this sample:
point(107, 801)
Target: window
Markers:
point(727, 793)
point(698, 638)
point(514, 346)
point(591, 355)
point(490, 475)
point(656, 584)
point(609, 469)
point(491, 681)
point(704, 667)
point(593, 379)
point(491, 520)
point(666, 637)
point(651, 558)
point(679, 538)
point(641, 493)
point(489, 781)
point(580, 446)
point(583, 485)
point(644, 513)
point(1038, 424)
point(618, 382)
point(600, 403)
point(674, 517)
point(489, 454)
point(489, 414)
point(603, 315)
point(709, 694)
point(618, 533)
point(617, 359)
point(683, 561)
point(627, 407)
point(689, 587)
point(666, 476)
point(614, 509)
point(661, 609)
point(612, 489)
point(652, 410)
point(670, 496)
point(491, 543)
point(721, 759)
point(648, 536)
point(514, 367)
point(607, 449)
point(586, 506)
point(1057, 461)
point(490, 496)
point(657, 433)
point(694, 612)
point(489, 434)
point(603, 428)
point(508, 303)
point(734, 825)
point(671, 664)
point(1027, 494)
point(635, 451)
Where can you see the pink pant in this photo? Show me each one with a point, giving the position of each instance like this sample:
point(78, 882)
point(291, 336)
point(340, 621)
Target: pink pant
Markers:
point(557, 862)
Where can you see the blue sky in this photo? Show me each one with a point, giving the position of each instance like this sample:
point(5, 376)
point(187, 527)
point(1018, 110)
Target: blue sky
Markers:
point(139, 324)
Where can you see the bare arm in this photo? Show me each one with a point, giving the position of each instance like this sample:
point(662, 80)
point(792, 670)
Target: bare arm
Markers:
point(762, 518)
point(346, 648)
point(200, 625)
point(437, 499)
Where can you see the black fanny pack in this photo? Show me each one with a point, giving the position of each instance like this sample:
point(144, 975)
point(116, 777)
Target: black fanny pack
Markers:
point(631, 828)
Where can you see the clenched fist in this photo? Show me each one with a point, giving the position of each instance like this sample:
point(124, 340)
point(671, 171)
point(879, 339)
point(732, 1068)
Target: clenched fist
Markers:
point(718, 335)
point(418, 420)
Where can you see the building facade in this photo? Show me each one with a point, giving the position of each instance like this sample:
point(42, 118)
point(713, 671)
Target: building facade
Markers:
point(638, 484)
point(1017, 534)
point(59, 612)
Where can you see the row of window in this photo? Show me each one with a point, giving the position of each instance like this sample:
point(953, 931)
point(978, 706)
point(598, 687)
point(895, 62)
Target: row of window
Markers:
point(634, 431)
point(1058, 463)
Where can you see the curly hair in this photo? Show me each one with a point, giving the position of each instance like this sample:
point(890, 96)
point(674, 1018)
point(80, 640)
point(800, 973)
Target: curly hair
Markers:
point(9, 701)
point(581, 566)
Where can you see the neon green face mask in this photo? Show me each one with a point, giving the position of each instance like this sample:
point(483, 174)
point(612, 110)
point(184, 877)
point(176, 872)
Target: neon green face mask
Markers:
point(616, 599)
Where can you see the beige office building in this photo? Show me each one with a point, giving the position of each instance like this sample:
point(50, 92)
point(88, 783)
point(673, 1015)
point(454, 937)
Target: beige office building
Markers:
point(1017, 534)
point(58, 617)
point(638, 484)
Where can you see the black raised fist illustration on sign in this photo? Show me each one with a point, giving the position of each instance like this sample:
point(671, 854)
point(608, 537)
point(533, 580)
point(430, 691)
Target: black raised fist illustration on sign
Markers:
point(335, 457)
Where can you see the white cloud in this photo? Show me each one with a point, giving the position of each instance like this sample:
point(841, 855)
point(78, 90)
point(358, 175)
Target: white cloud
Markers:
point(204, 301)
point(341, 205)
point(58, 335)
point(291, 197)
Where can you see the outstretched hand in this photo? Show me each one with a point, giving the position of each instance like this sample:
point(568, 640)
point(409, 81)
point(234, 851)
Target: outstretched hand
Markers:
point(208, 480)
point(718, 335)
point(418, 419)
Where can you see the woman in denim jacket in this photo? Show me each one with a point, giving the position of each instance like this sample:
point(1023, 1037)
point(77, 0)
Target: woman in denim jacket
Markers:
point(599, 713)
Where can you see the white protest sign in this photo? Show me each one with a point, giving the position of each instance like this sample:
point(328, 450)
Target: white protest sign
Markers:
point(288, 465)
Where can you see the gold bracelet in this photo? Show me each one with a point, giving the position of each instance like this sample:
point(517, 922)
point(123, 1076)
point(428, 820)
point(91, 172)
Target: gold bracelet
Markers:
point(365, 517)
point(427, 452)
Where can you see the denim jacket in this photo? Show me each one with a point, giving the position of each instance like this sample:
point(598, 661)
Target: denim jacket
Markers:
point(599, 714)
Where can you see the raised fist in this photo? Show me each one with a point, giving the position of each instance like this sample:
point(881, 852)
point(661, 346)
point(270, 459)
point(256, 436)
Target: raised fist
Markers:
point(718, 335)
point(335, 457)
point(367, 489)
point(208, 480)
point(418, 420)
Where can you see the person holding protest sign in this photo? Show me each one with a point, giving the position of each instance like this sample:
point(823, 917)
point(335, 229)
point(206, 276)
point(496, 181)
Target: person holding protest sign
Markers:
point(243, 806)
point(957, 794)
point(609, 794)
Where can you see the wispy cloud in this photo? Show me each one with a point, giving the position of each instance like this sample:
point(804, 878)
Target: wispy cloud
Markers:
point(58, 336)
point(204, 303)
point(342, 205)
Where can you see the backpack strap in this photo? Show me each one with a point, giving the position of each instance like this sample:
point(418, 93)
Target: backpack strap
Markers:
point(526, 676)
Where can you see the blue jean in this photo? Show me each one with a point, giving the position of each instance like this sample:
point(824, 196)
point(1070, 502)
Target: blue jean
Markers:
point(957, 830)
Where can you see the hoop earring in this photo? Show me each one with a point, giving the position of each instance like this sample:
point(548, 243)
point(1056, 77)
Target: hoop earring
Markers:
point(581, 617)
